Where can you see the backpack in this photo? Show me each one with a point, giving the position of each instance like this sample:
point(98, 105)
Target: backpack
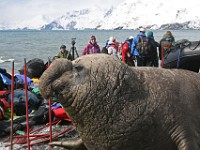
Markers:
point(20, 102)
point(104, 50)
point(143, 46)
point(4, 105)
point(166, 45)
point(34, 67)
point(129, 42)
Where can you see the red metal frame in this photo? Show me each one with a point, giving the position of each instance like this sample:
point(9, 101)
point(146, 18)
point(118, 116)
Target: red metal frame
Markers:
point(12, 106)
point(27, 113)
point(31, 135)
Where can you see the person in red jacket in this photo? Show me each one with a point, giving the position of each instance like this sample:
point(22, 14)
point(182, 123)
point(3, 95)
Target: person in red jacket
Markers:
point(127, 56)
point(92, 47)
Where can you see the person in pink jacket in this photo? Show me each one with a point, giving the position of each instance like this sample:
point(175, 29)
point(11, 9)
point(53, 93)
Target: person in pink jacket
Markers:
point(92, 47)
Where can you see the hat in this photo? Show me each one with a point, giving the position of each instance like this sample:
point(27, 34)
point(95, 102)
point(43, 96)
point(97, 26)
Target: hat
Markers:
point(62, 46)
point(150, 34)
point(111, 39)
point(142, 29)
point(93, 37)
point(169, 32)
point(130, 37)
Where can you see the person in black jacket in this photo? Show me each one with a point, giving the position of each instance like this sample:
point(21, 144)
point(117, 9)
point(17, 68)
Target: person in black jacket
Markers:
point(153, 55)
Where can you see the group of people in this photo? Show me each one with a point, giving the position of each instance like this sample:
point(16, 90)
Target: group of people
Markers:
point(142, 48)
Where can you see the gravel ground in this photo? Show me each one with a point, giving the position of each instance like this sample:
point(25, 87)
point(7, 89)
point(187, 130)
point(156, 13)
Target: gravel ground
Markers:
point(43, 146)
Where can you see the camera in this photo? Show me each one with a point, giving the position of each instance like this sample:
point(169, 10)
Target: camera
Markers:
point(73, 42)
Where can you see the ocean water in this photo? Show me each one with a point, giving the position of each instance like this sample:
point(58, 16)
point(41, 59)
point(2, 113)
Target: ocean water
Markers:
point(17, 45)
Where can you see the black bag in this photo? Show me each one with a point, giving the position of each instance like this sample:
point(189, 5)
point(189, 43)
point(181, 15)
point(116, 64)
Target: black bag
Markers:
point(41, 116)
point(35, 68)
point(20, 102)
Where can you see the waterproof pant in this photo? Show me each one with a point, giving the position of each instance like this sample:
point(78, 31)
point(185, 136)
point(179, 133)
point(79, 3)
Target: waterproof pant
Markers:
point(130, 62)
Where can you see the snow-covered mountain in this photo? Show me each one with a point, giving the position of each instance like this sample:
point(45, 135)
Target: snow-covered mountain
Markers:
point(82, 19)
point(171, 14)
point(32, 23)
point(155, 14)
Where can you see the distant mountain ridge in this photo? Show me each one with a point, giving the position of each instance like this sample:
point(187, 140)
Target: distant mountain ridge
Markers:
point(128, 15)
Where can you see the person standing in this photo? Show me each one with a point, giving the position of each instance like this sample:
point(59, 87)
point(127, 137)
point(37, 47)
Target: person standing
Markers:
point(140, 47)
point(166, 43)
point(153, 55)
point(112, 47)
point(127, 56)
point(92, 47)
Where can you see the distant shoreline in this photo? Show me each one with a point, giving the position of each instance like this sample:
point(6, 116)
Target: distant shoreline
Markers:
point(92, 30)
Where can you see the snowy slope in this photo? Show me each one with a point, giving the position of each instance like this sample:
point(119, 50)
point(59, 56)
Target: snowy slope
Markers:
point(82, 19)
point(133, 13)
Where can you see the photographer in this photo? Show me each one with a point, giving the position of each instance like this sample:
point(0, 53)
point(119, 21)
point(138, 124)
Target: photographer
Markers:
point(92, 47)
point(64, 53)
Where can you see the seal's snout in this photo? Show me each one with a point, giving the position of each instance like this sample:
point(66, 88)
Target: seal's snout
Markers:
point(56, 69)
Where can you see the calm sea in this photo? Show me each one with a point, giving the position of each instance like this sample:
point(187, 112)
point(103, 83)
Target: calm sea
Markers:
point(18, 45)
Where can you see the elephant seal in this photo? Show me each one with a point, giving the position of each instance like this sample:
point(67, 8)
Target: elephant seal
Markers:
point(117, 107)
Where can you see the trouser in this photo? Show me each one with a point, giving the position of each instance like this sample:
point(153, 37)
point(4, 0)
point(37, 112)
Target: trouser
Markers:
point(140, 61)
point(130, 62)
point(155, 63)
point(144, 61)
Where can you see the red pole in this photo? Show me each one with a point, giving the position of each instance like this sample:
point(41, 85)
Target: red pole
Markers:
point(27, 113)
point(50, 120)
point(50, 116)
point(12, 106)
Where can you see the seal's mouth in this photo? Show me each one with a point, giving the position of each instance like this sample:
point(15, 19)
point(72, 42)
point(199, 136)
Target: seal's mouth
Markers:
point(62, 88)
point(52, 78)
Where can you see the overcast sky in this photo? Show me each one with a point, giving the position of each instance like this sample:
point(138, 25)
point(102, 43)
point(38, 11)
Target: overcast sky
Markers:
point(18, 10)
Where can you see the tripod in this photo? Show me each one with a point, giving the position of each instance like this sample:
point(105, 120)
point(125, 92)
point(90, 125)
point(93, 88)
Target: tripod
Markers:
point(73, 50)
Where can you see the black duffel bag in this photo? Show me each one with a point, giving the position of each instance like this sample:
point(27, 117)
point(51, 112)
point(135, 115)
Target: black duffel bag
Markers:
point(34, 68)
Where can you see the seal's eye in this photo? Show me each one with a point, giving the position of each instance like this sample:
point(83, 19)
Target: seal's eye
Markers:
point(78, 68)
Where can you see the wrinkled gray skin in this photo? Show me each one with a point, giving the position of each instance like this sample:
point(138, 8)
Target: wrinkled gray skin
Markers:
point(116, 107)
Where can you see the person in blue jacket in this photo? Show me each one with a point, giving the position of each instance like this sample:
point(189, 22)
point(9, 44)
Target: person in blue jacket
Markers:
point(134, 50)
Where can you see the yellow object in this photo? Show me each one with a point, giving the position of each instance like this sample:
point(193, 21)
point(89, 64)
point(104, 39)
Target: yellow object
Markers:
point(36, 80)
